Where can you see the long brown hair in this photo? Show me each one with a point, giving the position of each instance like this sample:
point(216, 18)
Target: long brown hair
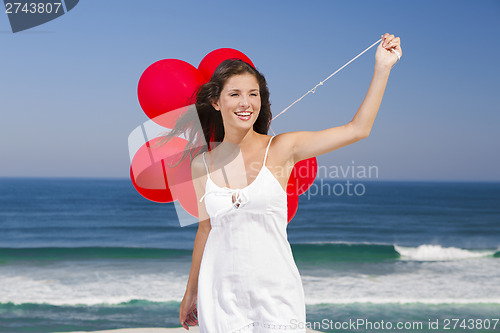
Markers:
point(210, 120)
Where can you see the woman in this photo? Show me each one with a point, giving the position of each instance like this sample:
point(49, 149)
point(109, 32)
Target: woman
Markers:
point(243, 277)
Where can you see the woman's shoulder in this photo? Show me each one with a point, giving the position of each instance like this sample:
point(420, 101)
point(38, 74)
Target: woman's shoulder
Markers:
point(280, 149)
point(198, 166)
point(283, 141)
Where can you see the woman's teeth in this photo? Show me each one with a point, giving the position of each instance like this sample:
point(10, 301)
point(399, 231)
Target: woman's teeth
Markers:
point(243, 115)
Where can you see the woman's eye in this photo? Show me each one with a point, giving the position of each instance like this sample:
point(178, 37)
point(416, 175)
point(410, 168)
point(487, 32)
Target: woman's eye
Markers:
point(236, 94)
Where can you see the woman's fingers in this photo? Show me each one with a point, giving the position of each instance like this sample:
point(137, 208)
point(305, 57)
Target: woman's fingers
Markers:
point(384, 37)
point(195, 313)
point(394, 42)
point(387, 39)
point(181, 320)
point(191, 320)
point(391, 42)
point(188, 320)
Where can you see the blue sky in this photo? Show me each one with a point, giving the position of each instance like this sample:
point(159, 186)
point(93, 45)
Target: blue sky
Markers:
point(69, 87)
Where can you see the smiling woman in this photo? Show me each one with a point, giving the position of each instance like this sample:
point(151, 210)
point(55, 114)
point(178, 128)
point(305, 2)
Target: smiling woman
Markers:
point(243, 275)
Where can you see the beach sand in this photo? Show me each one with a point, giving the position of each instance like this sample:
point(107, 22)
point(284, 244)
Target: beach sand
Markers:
point(192, 329)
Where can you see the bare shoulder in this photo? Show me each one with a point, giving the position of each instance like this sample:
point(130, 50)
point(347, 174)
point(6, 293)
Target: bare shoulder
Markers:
point(285, 141)
point(197, 166)
point(282, 148)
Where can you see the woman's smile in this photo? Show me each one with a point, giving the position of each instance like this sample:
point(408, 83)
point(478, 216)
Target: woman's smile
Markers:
point(244, 115)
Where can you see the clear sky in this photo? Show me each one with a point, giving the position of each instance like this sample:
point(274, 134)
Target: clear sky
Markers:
point(68, 88)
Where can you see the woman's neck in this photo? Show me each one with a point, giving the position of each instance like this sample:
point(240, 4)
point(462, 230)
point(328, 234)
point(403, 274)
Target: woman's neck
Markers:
point(242, 139)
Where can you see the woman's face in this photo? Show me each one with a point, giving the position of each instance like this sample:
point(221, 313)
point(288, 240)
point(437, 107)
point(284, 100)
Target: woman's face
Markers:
point(239, 101)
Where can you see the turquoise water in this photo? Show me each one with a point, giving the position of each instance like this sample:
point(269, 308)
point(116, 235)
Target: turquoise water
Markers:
point(81, 254)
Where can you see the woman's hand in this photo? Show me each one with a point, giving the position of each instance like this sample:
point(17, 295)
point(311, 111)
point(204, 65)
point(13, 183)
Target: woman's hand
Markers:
point(188, 314)
point(385, 55)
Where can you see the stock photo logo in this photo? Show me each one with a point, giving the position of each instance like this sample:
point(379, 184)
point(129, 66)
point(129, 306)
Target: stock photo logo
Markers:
point(26, 14)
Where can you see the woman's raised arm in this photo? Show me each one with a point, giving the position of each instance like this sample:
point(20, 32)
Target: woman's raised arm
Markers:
point(307, 144)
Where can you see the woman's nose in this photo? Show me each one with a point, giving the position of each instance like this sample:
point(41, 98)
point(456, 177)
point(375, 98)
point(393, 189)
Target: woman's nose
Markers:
point(244, 102)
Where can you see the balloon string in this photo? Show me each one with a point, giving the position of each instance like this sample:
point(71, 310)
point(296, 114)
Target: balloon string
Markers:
point(313, 90)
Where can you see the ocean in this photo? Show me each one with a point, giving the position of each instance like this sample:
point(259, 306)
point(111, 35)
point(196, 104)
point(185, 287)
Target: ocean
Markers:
point(92, 254)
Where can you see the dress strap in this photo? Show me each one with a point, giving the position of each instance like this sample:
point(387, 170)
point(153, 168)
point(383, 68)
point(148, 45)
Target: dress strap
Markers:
point(206, 167)
point(208, 175)
point(267, 149)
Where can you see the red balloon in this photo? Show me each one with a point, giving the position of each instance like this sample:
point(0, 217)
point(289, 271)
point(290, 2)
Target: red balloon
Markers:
point(301, 178)
point(303, 174)
point(167, 85)
point(150, 172)
point(210, 62)
point(171, 153)
point(160, 194)
point(292, 197)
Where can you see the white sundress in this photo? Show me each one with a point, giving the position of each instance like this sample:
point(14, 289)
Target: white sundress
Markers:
point(248, 279)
